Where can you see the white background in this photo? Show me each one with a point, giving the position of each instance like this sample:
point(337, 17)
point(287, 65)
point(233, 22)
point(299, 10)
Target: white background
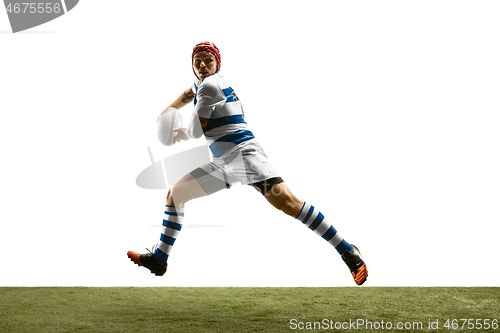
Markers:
point(383, 114)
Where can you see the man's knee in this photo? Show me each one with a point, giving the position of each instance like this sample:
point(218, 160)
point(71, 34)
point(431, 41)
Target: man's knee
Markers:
point(172, 198)
point(170, 201)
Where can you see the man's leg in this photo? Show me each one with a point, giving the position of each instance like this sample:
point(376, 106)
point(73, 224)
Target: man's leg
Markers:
point(283, 199)
point(194, 185)
point(186, 189)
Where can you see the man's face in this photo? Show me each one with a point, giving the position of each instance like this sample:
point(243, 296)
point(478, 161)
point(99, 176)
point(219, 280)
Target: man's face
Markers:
point(204, 64)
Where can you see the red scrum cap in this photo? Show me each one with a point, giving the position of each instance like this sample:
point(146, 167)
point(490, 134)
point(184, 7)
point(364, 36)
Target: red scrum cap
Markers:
point(207, 47)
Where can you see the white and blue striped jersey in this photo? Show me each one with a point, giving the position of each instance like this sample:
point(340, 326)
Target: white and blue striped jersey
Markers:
point(217, 101)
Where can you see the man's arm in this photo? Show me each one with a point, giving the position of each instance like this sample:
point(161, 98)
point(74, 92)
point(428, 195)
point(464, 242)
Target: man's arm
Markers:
point(184, 99)
point(194, 129)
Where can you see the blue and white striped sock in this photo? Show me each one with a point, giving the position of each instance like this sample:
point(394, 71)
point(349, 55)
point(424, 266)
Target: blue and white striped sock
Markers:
point(172, 223)
point(313, 219)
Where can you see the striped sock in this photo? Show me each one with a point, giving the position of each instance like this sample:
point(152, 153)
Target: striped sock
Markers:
point(172, 223)
point(313, 219)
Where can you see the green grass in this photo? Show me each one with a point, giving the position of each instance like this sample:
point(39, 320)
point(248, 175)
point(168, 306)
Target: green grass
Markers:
point(237, 309)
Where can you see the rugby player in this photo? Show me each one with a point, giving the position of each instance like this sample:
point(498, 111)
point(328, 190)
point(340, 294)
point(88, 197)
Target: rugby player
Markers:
point(237, 157)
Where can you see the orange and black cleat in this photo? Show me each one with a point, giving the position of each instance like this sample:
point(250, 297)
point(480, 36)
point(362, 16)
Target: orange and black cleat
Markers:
point(356, 265)
point(148, 260)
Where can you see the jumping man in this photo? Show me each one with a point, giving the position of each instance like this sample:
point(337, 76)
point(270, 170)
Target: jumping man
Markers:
point(237, 157)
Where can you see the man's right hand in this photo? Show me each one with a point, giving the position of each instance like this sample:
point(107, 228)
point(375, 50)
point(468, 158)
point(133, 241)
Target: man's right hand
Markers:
point(181, 134)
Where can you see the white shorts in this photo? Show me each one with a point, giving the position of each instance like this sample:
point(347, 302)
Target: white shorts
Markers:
point(247, 164)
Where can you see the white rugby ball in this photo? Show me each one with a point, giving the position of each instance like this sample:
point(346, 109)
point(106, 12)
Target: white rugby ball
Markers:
point(168, 120)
